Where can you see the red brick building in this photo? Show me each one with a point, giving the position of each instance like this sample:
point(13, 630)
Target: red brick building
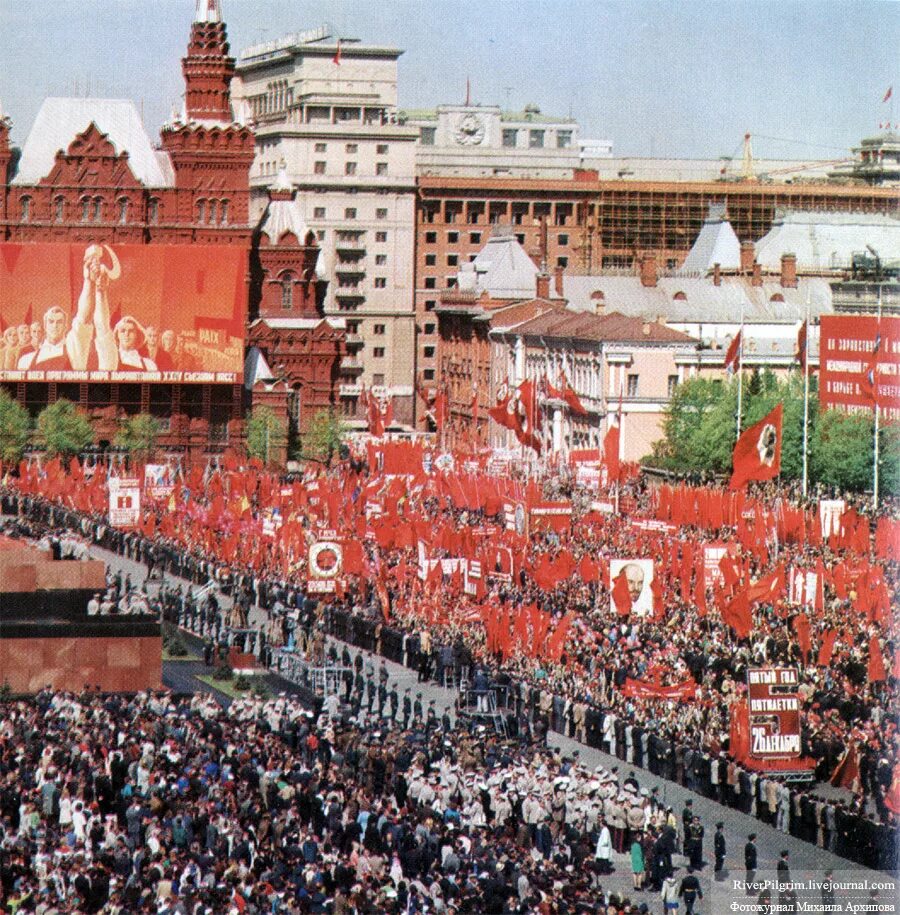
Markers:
point(176, 215)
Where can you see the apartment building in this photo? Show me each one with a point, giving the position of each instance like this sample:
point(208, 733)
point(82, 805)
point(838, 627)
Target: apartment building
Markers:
point(325, 109)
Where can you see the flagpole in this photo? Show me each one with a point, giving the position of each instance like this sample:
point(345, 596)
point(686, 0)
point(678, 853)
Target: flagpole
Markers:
point(806, 401)
point(877, 415)
point(740, 374)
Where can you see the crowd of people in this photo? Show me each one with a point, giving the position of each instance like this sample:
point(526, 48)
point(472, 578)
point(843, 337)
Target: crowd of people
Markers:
point(581, 692)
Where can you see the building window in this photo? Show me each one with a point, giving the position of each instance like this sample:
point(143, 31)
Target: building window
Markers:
point(381, 213)
point(153, 213)
point(520, 238)
point(453, 237)
point(381, 236)
point(475, 238)
point(562, 238)
point(98, 209)
point(452, 260)
point(430, 260)
point(59, 209)
point(318, 212)
point(381, 149)
point(673, 383)
point(85, 210)
point(563, 139)
point(562, 262)
point(381, 168)
point(123, 211)
point(429, 374)
point(377, 380)
point(201, 212)
point(380, 282)
point(320, 235)
point(321, 147)
point(535, 139)
point(26, 209)
point(430, 283)
point(430, 303)
point(430, 238)
point(427, 135)
point(349, 168)
point(380, 260)
point(429, 330)
point(351, 149)
point(223, 212)
point(350, 213)
point(451, 282)
point(632, 390)
point(213, 210)
point(428, 352)
point(318, 168)
point(287, 291)
point(378, 352)
point(378, 330)
point(510, 138)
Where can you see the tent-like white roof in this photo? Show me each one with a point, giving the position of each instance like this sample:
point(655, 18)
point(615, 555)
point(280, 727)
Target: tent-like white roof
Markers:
point(716, 244)
point(828, 241)
point(60, 120)
point(502, 268)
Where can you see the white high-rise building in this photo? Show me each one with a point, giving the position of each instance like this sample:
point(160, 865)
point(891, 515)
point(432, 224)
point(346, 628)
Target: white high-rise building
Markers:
point(326, 109)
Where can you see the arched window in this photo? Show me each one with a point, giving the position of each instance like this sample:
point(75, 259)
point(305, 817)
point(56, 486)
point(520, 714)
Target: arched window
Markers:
point(85, 209)
point(287, 291)
point(98, 209)
point(212, 212)
point(59, 209)
point(153, 211)
point(680, 296)
point(26, 209)
point(123, 211)
point(201, 212)
point(223, 213)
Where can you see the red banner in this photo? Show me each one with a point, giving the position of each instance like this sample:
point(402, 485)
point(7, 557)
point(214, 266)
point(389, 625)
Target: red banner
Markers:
point(91, 312)
point(848, 355)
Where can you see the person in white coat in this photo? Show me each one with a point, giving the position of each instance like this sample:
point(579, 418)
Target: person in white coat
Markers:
point(603, 853)
point(669, 895)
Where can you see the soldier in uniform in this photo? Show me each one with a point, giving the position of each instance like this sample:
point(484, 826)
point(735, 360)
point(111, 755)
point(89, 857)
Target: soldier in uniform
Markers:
point(719, 849)
point(370, 691)
point(417, 708)
point(696, 832)
point(407, 708)
point(382, 698)
point(394, 700)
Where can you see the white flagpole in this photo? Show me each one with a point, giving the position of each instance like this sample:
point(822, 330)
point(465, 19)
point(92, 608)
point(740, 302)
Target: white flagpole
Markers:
point(740, 374)
point(877, 414)
point(806, 401)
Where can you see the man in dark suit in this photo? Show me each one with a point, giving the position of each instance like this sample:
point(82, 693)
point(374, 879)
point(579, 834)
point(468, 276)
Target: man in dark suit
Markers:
point(750, 861)
point(719, 850)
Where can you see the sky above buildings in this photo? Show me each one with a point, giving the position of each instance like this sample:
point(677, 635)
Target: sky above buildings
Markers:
point(677, 78)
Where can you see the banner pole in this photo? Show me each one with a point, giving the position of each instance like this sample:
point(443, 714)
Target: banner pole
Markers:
point(877, 415)
point(740, 375)
point(806, 401)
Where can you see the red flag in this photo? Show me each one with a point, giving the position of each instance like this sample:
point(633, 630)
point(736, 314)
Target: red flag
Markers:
point(888, 94)
point(757, 454)
point(441, 409)
point(336, 60)
point(736, 613)
point(801, 627)
point(733, 354)
point(571, 398)
point(502, 411)
point(659, 604)
point(846, 773)
point(876, 661)
point(869, 383)
point(826, 649)
point(621, 595)
point(525, 416)
point(611, 453)
point(800, 355)
point(769, 588)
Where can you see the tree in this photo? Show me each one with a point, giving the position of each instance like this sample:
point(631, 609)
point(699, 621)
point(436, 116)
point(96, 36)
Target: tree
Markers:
point(15, 426)
point(266, 434)
point(324, 437)
point(139, 435)
point(842, 450)
point(64, 429)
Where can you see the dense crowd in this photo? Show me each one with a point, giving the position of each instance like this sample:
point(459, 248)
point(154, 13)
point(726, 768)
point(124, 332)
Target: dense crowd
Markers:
point(581, 692)
point(163, 804)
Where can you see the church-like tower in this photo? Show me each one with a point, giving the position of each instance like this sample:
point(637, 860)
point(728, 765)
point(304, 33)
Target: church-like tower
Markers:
point(208, 68)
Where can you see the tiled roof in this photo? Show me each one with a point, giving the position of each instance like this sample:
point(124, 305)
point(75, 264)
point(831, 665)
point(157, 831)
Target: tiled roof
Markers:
point(613, 327)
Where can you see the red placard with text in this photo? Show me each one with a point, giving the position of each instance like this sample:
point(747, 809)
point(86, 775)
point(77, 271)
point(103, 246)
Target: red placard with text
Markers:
point(774, 713)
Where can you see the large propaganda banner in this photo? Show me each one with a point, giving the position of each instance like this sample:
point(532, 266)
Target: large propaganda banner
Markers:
point(98, 312)
point(847, 355)
point(774, 713)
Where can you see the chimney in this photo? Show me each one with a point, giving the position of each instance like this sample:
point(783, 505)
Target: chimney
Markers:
point(648, 269)
point(558, 281)
point(748, 256)
point(756, 278)
point(717, 274)
point(543, 285)
point(645, 328)
point(789, 271)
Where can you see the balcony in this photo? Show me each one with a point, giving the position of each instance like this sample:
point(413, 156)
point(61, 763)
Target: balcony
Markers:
point(350, 365)
point(349, 390)
point(353, 269)
point(354, 247)
point(354, 340)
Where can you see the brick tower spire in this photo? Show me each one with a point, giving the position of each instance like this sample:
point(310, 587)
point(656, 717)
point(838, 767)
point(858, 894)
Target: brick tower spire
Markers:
point(208, 68)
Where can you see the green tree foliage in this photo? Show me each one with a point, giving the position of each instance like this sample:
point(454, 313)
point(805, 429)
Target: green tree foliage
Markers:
point(15, 427)
point(266, 434)
point(324, 437)
point(139, 435)
point(699, 433)
point(64, 429)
